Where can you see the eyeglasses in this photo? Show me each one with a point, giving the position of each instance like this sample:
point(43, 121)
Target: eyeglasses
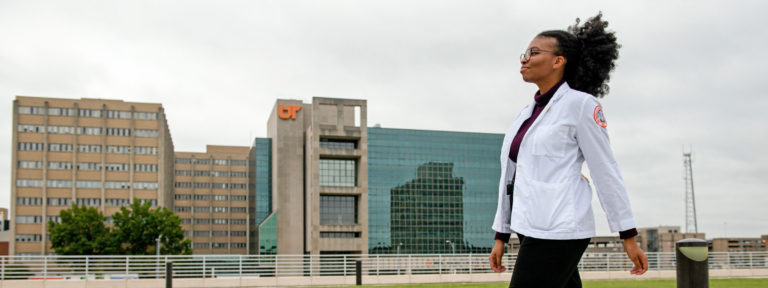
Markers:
point(527, 55)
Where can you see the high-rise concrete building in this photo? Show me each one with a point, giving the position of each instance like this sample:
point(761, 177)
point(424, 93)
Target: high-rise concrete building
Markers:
point(93, 152)
point(211, 197)
point(663, 238)
point(319, 177)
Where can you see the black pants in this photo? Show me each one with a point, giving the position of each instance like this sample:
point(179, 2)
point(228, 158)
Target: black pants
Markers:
point(543, 263)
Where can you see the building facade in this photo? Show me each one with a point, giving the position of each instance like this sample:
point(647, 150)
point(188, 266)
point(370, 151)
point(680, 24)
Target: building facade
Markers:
point(211, 197)
point(93, 152)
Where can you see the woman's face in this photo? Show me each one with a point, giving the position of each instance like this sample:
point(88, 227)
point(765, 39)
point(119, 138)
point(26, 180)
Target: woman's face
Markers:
point(542, 63)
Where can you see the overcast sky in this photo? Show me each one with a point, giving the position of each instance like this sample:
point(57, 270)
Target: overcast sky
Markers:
point(689, 73)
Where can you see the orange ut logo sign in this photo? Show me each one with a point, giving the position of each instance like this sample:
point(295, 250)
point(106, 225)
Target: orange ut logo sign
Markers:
point(287, 112)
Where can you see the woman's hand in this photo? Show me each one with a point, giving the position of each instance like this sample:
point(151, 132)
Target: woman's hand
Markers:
point(636, 255)
point(495, 258)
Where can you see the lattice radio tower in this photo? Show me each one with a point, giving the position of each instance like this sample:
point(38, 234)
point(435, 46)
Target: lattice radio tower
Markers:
point(690, 201)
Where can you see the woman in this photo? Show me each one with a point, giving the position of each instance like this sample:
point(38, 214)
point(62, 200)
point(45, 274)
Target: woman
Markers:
point(543, 197)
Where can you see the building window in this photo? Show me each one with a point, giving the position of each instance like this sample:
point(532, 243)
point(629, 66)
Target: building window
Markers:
point(335, 209)
point(29, 183)
point(59, 201)
point(59, 184)
point(202, 161)
point(238, 174)
point(183, 173)
point(238, 245)
point(30, 128)
point(237, 210)
point(145, 185)
point(199, 233)
point(116, 167)
point(29, 201)
point(89, 130)
point(119, 149)
point(182, 184)
point(182, 209)
point(31, 110)
point(87, 148)
point(145, 115)
point(237, 186)
point(57, 147)
point(118, 132)
point(220, 209)
point(237, 222)
point(219, 245)
point(93, 202)
point(204, 209)
point(115, 114)
point(146, 150)
point(88, 184)
point(219, 233)
point(219, 162)
point(202, 221)
point(219, 197)
point(338, 144)
point(186, 221)
point(146, 133)
point(30, 165)
point(219, 173)
point(61, 130)
point(219, 221)
point(60, 111)
point(29, 219)
point(238, 198)
point(117, 202)
point(202, 185)
point(183, 161)
point(145, 167)
point(182, 197)
point(89, 166)
point(200, 245)
point(237, 233)
point(152, 202)
point(117, 185)
point(30, 146)
point(339, 234)
point(203, 197)
point(337, 172)
point(54, 219)
point(238, 162)
point(202, 173)
point(29, 238)
point(60, 165)
point(219, 185)
point(92, 113)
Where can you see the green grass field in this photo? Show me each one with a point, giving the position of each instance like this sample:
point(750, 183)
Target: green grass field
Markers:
point(713, 283)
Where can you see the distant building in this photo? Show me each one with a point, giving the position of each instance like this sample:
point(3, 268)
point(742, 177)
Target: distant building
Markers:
point(93, 152)
point(5, 234)
point(211, 196)
point(738, 244)
point(663, 238)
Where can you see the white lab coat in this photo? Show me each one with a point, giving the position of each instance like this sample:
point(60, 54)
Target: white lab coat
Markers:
point(552, 200)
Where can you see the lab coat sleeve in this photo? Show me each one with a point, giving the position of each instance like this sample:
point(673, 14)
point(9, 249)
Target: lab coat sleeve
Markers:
point(501, 223)
point(592, 138)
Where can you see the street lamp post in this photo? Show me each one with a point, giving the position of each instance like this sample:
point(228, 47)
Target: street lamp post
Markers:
point(398, 247)
point(453, 247)
point(157, 252)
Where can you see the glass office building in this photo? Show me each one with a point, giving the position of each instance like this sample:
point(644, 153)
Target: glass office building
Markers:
point(431, 191)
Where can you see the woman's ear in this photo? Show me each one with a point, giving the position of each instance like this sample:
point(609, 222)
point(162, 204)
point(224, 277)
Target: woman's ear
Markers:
point(559, 62)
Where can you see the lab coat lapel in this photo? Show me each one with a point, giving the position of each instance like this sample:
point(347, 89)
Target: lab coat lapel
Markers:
point(558, 94)
point(524, 114)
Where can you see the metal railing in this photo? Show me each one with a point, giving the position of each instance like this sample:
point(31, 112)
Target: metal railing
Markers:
point(222, 266)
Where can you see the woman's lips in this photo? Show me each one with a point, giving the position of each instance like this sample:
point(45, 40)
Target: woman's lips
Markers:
point(523, 69)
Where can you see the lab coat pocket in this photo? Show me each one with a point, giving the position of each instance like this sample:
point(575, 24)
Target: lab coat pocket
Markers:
point(550, 140)
point(550, 207)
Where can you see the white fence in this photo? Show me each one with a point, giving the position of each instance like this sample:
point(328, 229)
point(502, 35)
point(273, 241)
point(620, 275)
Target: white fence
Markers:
point(245, 266)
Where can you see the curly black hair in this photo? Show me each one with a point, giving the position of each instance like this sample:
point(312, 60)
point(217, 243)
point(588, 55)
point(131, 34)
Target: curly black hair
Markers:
point(590, 52)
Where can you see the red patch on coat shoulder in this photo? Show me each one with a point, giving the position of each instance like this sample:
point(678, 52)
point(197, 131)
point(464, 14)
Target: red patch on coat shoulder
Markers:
point(599, 117)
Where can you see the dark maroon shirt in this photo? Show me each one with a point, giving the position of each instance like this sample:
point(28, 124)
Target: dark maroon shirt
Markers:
point(541, 101)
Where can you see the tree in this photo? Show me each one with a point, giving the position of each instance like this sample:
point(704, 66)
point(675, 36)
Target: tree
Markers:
point(137, 229)
point(82, 232)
